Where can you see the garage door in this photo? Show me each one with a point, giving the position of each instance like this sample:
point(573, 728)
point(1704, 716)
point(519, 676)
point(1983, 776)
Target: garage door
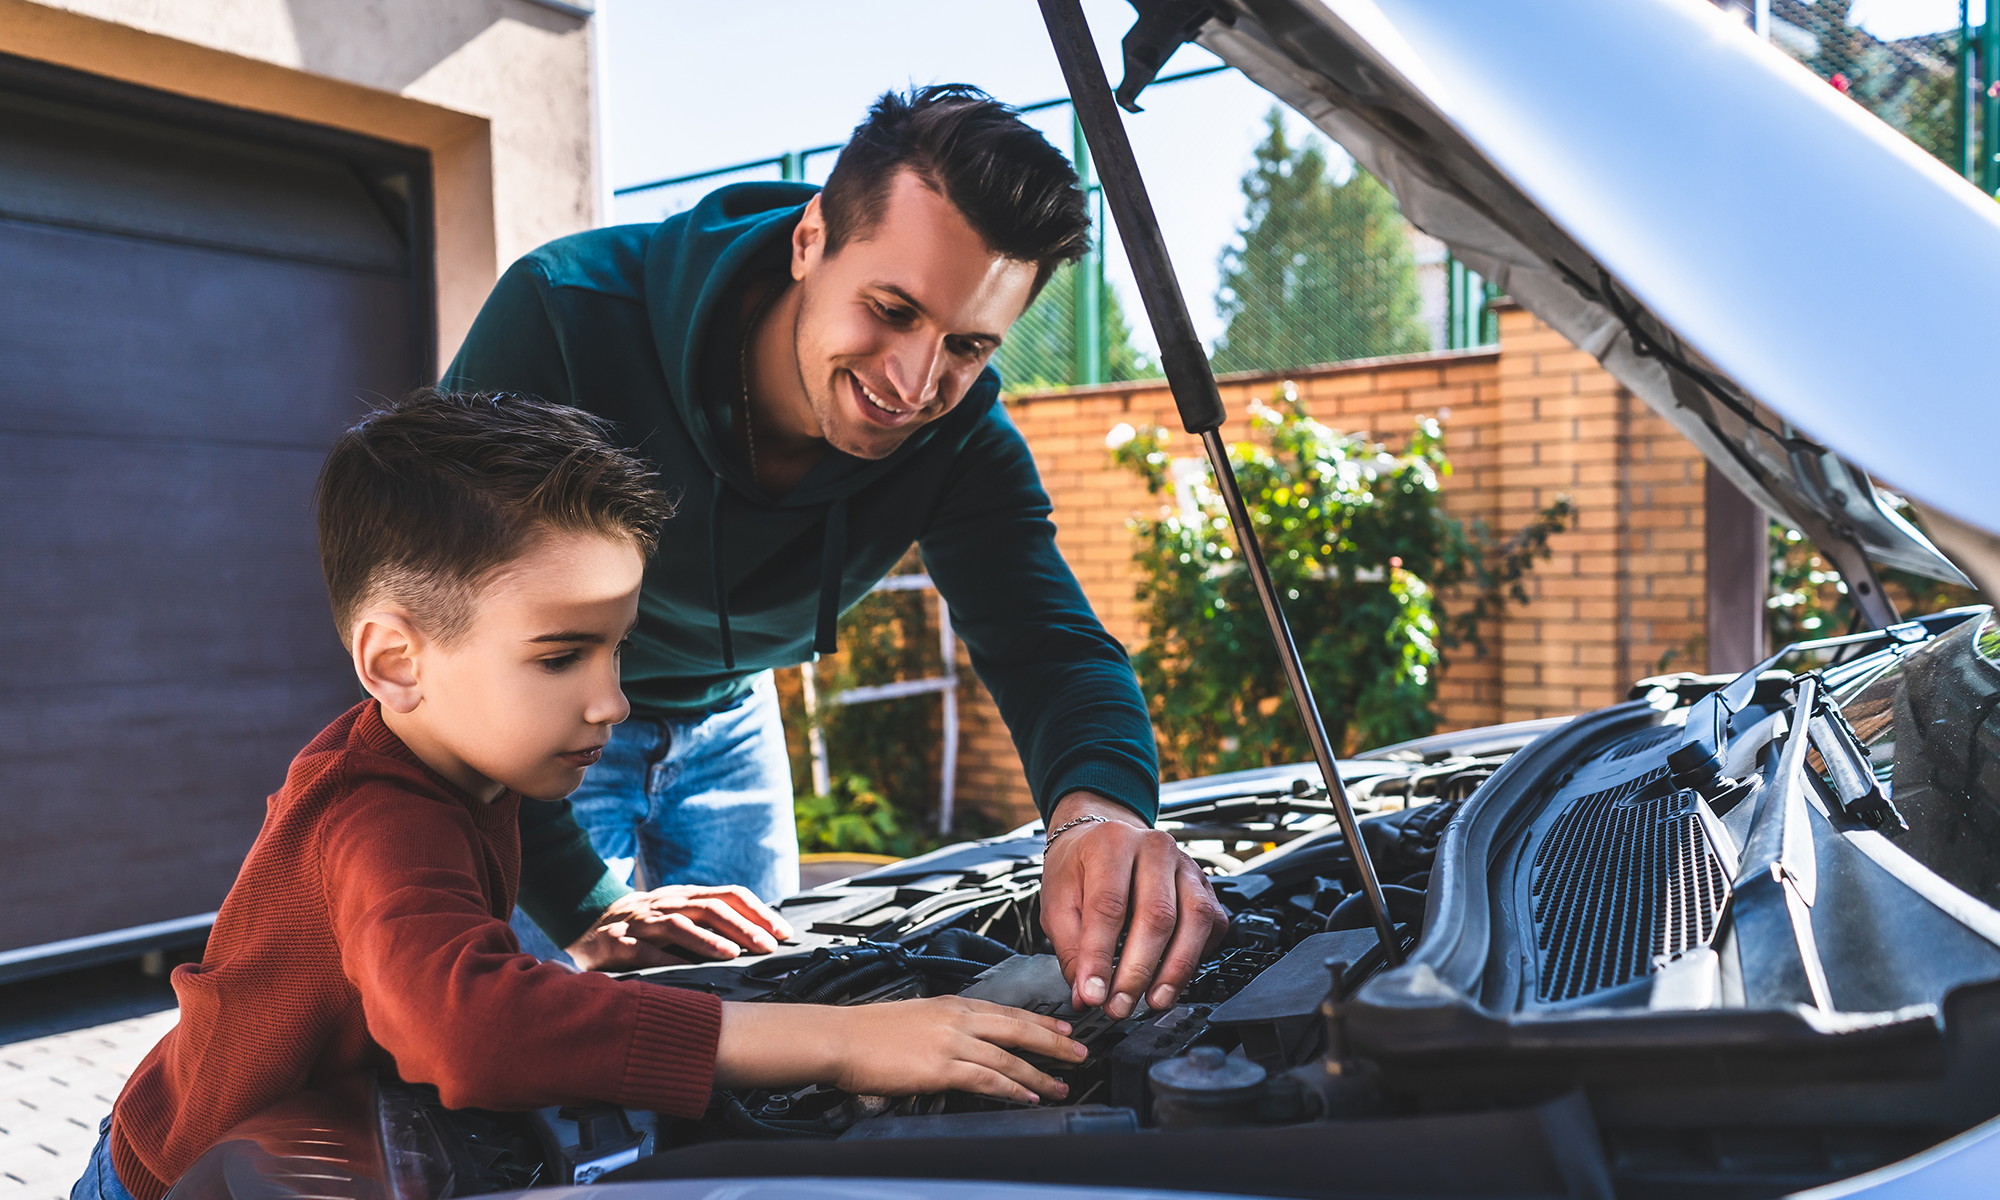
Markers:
point(192, 305)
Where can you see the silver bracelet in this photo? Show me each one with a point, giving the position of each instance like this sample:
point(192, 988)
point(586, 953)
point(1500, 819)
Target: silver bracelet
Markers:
point(1087, 819)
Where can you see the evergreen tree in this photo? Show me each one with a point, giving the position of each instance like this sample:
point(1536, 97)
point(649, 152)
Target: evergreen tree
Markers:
point(1322, 271)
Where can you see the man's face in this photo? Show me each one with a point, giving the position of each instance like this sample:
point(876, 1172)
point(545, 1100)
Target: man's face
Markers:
point(527, 696)
point(893, 328)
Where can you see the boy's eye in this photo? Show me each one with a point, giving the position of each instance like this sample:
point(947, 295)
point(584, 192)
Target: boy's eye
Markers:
point(561, 662)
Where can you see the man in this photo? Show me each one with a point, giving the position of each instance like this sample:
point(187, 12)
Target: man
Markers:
point(809, 372)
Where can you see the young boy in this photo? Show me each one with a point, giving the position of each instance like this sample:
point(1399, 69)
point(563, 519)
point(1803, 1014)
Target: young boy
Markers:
point(483, 556)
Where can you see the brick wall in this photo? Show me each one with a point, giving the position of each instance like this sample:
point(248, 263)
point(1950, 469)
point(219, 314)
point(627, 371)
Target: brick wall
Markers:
point(1533, 419)
point(1623, 595)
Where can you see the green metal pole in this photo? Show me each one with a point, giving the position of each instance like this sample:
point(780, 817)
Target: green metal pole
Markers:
point(1961, 115)
point(793, 168)
point(1452, 268)
point(1989, 102)
point(1100, 354)
point(1087, 278)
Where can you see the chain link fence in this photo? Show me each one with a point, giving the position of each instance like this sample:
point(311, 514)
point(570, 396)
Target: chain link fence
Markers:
point(1322, 268)
point(1926, 83)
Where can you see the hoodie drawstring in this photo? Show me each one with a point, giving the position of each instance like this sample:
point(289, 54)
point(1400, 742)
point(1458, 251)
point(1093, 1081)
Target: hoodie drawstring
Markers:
point(720, 577)
point(833, 555)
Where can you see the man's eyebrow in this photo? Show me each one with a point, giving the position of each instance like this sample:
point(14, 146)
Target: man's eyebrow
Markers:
point(913, 302)
point(570, 635)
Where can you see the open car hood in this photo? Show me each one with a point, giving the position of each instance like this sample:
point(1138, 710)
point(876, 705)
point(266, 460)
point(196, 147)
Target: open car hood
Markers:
point(1798, 288)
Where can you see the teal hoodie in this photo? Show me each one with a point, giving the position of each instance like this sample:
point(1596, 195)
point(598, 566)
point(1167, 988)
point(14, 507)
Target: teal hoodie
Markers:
point(624, 322)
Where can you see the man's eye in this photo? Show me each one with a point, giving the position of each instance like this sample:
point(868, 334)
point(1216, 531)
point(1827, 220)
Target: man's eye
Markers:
point(966, 347)
point(895, 316)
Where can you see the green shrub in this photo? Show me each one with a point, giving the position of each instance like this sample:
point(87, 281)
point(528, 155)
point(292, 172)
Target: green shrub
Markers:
point(855, 819)
point(1359, 547)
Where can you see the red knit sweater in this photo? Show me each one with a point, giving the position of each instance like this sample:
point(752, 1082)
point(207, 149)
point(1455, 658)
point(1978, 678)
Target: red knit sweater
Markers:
point(368, 930)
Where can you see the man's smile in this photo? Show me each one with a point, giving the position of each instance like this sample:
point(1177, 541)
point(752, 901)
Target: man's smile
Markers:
point(878, 410)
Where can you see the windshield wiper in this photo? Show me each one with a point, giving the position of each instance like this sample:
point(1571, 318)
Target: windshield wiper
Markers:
point(1850, 771)
point(1778, 879)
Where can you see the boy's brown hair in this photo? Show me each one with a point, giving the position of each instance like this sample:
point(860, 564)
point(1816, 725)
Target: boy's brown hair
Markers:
point(426, 498)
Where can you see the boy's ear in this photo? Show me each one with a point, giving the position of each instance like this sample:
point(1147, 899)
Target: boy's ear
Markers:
point(387, 646)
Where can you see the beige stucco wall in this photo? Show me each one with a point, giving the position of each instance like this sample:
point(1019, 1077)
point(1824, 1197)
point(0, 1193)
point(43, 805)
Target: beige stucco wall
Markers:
point(499, 91)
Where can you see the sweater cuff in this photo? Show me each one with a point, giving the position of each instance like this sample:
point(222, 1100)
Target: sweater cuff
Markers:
point(671, 1067)
point(1113, 781)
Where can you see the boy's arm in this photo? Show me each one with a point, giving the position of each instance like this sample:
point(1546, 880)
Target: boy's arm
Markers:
point(446, 991)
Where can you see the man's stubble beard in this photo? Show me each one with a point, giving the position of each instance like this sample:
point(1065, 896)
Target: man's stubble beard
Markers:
point(822, 399)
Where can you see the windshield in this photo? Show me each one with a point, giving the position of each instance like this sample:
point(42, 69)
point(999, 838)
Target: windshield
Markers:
point(1931, 723)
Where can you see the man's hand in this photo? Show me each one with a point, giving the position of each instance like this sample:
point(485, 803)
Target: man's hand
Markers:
point(1098, 875)
point(697, 922)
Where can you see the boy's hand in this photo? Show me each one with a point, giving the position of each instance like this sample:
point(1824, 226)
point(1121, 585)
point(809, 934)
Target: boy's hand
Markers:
point(902, 1048)
point(694, 922)
point(916, 1047)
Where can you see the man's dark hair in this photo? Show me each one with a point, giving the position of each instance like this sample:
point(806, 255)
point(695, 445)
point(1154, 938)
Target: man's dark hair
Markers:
point(1016, 191)
point(426, 498)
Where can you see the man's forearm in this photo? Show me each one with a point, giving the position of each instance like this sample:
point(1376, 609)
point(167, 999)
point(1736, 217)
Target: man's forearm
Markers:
point(565, 886)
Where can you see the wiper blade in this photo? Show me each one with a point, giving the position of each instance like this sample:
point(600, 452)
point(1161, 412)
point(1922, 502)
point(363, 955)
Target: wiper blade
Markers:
point(1849, 768)
point(1778, 879)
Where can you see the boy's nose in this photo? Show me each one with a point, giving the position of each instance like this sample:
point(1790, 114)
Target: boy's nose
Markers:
point(608, 707)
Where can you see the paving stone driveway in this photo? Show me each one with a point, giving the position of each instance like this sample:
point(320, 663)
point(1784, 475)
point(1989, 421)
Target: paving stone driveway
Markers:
point(53, 1092)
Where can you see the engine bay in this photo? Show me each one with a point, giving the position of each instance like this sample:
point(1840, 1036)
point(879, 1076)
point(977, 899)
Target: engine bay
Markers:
point(965, 920)
point(1710, 937)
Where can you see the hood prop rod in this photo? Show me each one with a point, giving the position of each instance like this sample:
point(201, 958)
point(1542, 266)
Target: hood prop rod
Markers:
point(1195, 394)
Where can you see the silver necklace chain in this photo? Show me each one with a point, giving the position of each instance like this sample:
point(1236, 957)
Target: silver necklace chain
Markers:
point(743, 369)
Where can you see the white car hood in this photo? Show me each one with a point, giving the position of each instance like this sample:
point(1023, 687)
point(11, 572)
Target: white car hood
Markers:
point(1798, 288)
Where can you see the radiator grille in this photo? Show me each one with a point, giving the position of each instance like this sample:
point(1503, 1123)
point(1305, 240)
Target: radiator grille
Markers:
point(1627, 873)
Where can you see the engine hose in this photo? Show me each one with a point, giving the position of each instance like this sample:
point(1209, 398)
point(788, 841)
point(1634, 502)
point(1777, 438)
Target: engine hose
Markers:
point(857, 982)
point(931, 964)
point(809, 977)
point(963, 943)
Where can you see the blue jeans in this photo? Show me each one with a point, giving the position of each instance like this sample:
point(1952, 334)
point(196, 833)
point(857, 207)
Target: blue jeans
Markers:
point(99, 1181)
point(701, 801)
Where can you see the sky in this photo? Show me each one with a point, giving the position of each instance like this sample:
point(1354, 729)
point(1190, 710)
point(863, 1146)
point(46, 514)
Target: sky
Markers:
point(687, 87)
point(1893, 19)
point(768, 76)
